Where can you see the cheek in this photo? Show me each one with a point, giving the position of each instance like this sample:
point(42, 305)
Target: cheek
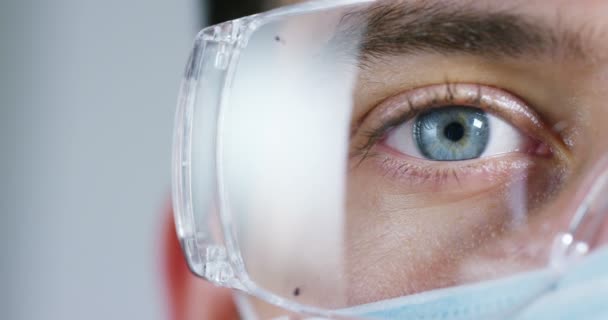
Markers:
point(417, 241)
point(403, 239)
point(603, 237)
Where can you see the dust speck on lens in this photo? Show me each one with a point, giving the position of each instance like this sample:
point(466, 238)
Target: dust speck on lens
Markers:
point(278, 39)
point(296, 292)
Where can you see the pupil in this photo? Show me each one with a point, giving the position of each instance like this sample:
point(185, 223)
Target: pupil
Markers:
point(454, 131)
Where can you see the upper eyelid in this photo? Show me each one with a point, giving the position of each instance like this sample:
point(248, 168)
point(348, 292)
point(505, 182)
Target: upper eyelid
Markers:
point(378, 131)
point(410, 111)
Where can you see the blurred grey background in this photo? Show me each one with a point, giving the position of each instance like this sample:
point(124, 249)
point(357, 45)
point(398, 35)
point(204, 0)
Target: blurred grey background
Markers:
point(87, 95)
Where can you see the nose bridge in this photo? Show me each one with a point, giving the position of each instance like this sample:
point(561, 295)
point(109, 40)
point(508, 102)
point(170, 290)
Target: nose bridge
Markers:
point(589, 223)
point(588, 226)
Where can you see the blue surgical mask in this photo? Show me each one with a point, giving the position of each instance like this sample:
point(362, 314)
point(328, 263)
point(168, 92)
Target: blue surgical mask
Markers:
point(580, 293)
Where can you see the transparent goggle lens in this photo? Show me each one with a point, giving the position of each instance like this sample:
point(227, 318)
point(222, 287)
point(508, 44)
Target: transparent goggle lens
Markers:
point(331, 156)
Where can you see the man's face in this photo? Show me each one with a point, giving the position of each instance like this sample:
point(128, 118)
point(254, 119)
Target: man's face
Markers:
point(536, 73)
point(473, 125)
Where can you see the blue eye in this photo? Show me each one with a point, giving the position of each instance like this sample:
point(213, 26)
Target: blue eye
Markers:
point(452, 133)
point(455, 133)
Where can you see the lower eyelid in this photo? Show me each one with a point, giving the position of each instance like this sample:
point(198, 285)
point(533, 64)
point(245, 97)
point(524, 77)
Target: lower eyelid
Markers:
point(430, 176)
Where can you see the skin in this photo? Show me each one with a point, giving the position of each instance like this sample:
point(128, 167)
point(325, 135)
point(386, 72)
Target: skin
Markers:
point(569, 99)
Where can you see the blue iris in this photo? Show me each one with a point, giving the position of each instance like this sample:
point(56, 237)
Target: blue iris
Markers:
point(452, 133)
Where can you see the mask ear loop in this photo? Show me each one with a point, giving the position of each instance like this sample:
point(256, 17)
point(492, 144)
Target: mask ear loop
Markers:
point(584, 228)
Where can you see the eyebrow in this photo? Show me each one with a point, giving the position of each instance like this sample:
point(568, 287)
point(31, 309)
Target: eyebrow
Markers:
point(397, 28)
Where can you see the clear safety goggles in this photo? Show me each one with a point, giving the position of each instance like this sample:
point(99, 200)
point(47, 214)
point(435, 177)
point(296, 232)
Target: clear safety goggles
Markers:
point(338, 153)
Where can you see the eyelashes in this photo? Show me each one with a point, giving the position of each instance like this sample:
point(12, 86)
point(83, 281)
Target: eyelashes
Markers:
point(489, 171)
point(536, 154)
point(405, 106)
